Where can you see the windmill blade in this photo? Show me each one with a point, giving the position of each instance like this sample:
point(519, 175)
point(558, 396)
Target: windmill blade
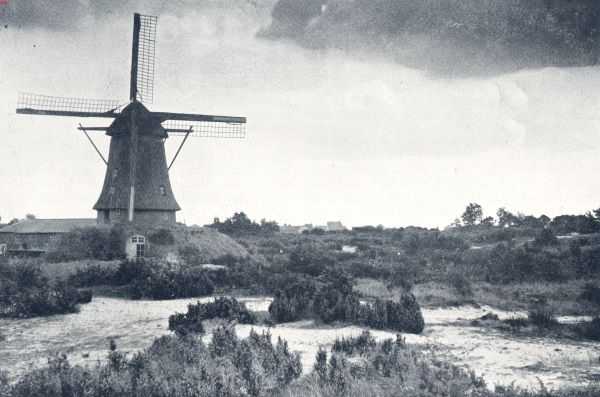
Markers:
point(28, 103)
point(142, 58)
point(203, 126)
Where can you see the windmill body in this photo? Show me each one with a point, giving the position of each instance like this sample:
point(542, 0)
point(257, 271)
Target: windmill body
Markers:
point(154, 202)
point(136, 188)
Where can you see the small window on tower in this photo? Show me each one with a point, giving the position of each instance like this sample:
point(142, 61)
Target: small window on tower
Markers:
point(115, 173)
point(163, 192)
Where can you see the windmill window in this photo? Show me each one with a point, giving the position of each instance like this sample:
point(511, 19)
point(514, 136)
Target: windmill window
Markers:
point(115, 173)
point(162, 189)
point(139, 250)
point(111, 190)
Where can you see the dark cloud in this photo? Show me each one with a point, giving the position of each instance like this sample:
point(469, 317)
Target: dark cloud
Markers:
point(449, 36)
point(72, 14)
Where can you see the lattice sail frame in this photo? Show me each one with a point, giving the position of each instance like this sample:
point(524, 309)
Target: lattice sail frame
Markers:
point(146, 58)
point(32, 101)
point(206, 129)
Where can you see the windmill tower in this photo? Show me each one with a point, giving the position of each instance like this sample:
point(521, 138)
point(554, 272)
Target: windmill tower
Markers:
point(136, 186)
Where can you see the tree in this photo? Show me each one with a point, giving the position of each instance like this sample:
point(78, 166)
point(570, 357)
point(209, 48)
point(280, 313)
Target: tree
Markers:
point(488, 221)
point(30, 216)
point(505, 217)
point(472, 215)
point(13, 221)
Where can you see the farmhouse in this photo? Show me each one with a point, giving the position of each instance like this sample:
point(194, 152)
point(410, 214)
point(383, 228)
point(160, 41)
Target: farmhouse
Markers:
point(36, 236)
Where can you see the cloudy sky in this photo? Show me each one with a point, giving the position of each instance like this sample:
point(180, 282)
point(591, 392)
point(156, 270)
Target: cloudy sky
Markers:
point(353, 115)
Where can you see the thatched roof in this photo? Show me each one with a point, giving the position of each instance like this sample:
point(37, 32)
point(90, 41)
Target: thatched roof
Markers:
point(152, 185)
point(47, 226)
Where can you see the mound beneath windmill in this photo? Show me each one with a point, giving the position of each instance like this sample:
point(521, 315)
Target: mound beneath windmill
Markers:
point(195, 244)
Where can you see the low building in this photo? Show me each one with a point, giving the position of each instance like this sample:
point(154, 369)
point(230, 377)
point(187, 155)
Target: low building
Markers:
point(335, 226)
point(36, 236)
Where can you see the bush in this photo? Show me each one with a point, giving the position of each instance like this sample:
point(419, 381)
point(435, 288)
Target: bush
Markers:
point(542, 317)
point(159, 280)
point(386, 369)
point(403, 316)
point(330, 302)
point(590, 329)
point(222, 307)
point(460, 283)
point(361, 344)
point(591, 292)
point(89, 243)
point(26, 292)
point(162, 237)
point(545, 238)
point(93, 275)
point(172, 366)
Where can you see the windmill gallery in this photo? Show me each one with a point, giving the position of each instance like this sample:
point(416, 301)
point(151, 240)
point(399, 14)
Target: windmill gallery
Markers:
point(137, 192)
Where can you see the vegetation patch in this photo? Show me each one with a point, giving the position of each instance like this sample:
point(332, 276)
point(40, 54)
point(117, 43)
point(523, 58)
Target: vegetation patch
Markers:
point(27, 292)
point(222, 307)
point(89, 243)
point(172, 366)
point(334, 300)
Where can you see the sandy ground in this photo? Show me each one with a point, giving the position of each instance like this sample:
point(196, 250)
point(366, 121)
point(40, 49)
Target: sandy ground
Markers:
point(500, 358)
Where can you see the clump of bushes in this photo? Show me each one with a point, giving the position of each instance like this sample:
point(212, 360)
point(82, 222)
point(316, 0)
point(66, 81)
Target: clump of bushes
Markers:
point(27, 292)
point(361, 344)
point(590, 329)
point(335, 301)
point(460, 283)
point(542, 317)
point(160, 280)
point(162, 237)
point(94, 275)
point(390, 368)
point(89, 243)
point(591, 293)
point(173, 366)
point(222, 307)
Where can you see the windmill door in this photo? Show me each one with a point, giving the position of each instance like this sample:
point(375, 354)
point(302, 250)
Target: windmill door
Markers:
point(136, 247)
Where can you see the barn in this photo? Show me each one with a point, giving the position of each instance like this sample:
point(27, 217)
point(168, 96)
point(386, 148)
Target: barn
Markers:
point(36, 236)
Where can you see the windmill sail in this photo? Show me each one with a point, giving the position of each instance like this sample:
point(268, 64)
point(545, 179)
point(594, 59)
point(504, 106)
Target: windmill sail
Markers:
point(29, 103)
point(142, 58)
point(203, 126)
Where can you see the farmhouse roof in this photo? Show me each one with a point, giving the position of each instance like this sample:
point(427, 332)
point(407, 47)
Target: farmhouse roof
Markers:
point(33, 226)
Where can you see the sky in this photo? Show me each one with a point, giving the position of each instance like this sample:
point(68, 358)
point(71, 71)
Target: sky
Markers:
point(337, 130)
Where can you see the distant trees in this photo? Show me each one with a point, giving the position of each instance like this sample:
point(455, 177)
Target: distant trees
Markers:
point(473, 214)
point(240, 224)
point(562, 224)
point(505, 217)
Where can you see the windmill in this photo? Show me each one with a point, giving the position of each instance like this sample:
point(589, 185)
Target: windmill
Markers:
point(136, 184)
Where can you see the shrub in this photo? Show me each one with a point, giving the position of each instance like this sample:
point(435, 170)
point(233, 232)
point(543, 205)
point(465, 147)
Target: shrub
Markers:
point(222, 307)
point(331, 302)
point(460, 283)
point(403, 316)
point(590, 329)
point(591, 292)
point(192, 255)
point(545, 238)
point(89, 243)
point(162, 237)
point(172, 366)
point(158, 280)
point(386, 369)
point(93, 275)
point(360, 344)
point(542, 317)
point(26, 292)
